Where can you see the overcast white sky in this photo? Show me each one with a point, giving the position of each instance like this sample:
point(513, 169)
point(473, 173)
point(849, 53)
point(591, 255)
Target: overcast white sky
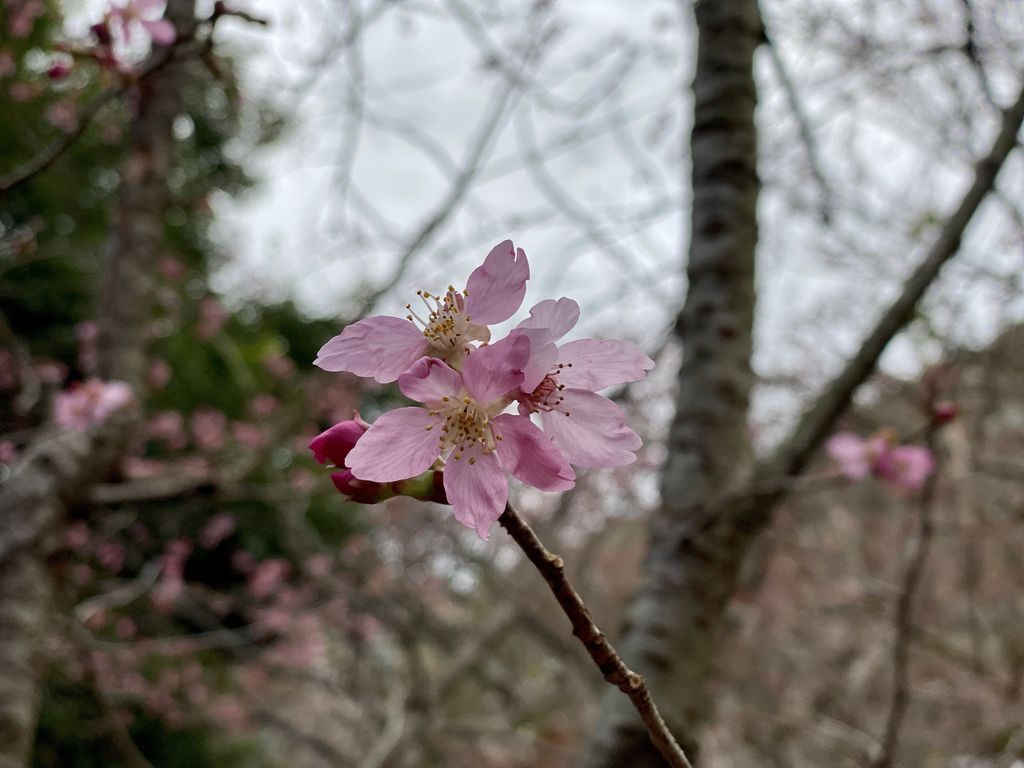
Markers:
point(883, 136)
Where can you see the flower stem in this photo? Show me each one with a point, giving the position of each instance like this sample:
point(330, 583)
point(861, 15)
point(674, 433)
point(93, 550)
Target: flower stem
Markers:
point(607, 659)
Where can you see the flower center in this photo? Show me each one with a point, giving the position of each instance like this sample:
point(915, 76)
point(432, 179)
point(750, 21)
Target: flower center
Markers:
point(466, 424)
point(547, 395)
point(446, 326)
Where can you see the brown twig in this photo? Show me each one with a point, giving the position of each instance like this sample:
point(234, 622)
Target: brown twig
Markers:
point(903, 620)
point(607, 659)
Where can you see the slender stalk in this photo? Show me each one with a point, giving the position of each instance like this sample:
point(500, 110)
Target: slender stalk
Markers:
point(607, 659)
point(904, 618)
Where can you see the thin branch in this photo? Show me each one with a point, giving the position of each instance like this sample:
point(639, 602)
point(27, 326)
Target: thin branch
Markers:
point(819, 420)
point(804, 126)
point(904, 626)
point(607, 659)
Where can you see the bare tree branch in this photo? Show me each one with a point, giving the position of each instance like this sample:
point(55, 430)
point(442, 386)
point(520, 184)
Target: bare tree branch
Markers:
point(607, 659)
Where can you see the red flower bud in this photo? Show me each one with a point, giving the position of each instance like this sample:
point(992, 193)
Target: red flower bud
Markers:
point(944, 412)
point(332, 446)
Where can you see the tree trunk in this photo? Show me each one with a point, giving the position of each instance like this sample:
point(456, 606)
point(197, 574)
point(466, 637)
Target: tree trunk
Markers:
point(713, 509)
point(670, 632)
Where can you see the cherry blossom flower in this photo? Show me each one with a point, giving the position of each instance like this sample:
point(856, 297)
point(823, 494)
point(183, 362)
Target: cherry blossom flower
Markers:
point(90, 403)
point(384, 347)
point(905, 467)
point(144, 16)
point(561, 383)
point(464, 424)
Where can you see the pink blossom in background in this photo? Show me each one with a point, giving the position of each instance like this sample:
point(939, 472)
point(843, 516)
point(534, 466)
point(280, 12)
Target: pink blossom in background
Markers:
point(464, 424)
point(171, 268)
point(51, 371)
point(212, 317)
point(561, 384)
point(268, 576)
point(249, 436)
point(23, 15)
point(384, 347)
point(22, 91)
point(168, 427)
point(8, 451)
point(209, 427)
point(111, 556)
point(142, 17)
point(135, 468)
point(219, 527)
point(7, 64)
point(62, 116)
point(905, 467)
point(159, 374)
point(262, 406)
point(172, 574)
point(90, 403)
point(77, 536)
point(280, 366)
point(87, 334)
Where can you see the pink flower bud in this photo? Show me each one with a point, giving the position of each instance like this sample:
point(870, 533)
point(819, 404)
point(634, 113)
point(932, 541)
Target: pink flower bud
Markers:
point(332, 446)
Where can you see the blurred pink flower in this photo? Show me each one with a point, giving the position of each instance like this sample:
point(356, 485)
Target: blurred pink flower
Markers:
point(90, 403)
point(279, 366)
point(208, 428)
point(110, 555)
point(212, 316)
point(904, 467)
point(218, 528)
point(263, 405)
point(7, 64)
point(143, 16)
point(384, 347)
point(159, 373)
point(23, 16)
point(267, 576)
point(168, 427)
point(76, 536)
point(8, 451)
point(171, 268)
point(249, 436)
point(51, 371)
point(60, 67)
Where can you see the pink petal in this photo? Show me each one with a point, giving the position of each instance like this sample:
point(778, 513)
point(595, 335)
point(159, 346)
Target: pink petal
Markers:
point(597, 364)
point(161, 31)
point(550, 320)
point(594, 434)
point(429, 380)
point(542, 362)
point(530, 455)
point(496, 288)
point(477, 491)
point(399, 445)
point(380, 347)
point(850, 453)
point(496, 370)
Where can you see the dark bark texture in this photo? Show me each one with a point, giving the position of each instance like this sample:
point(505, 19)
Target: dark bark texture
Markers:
point(672, 619)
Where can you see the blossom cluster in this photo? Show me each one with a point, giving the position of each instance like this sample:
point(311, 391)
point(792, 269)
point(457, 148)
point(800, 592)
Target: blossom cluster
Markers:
point(463, 434)
point(904, 467)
